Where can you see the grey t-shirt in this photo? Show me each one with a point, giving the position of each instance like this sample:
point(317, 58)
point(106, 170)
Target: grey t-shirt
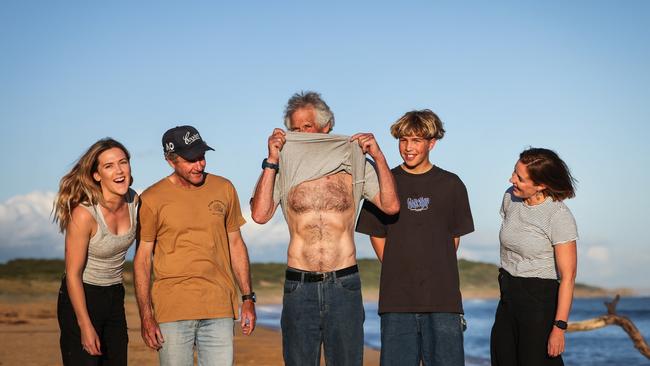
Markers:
point(528, 234)
point(308, 156)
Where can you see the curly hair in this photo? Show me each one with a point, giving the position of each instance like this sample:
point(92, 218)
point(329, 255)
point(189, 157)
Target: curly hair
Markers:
point(306, 99)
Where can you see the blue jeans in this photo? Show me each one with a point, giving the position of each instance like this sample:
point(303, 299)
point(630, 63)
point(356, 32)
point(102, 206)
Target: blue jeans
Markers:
point(212, 338)
point(434, 338)
point(329, 312)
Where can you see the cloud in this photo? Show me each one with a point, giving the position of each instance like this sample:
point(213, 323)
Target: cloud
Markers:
point(26, 228)
point(597, 266)
point(481, 245)
point(598, 254)
point(267, 235)
point(27, 231)
point(268, 242)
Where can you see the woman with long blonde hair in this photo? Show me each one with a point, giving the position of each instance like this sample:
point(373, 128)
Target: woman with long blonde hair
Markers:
point(96, 210)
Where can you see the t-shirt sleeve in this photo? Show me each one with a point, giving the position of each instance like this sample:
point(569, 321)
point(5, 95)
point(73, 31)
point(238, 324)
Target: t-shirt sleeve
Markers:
point(370, 221)
point(371, 182)
point(462, 222)
point(147, 221)
point(563, 227)
point(276, 189)
point(235, 219)
point(504, 205)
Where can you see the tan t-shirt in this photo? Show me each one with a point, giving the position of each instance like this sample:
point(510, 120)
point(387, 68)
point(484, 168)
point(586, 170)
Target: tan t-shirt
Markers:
point(193, 277)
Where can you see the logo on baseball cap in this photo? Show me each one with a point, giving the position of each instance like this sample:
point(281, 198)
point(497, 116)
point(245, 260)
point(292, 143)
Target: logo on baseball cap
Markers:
point(184, 141)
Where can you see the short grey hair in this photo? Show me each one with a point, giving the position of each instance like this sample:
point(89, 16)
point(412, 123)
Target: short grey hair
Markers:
point(305, 99)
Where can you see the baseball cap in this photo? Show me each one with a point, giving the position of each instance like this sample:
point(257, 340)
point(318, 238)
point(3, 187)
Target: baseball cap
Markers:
point(184, 141)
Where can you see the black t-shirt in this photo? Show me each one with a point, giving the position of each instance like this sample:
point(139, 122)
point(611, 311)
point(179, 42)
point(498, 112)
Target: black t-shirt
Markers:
point(420, 269)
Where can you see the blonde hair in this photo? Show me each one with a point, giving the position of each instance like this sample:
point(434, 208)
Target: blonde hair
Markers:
point(78, 186)
point(423, 123)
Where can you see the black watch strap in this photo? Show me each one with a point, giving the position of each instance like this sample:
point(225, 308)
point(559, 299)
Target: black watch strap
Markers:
point(250, 296)
point(561, 324)
point(266, 164)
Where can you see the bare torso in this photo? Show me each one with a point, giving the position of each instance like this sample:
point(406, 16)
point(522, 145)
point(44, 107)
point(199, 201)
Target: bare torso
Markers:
point(320, 215)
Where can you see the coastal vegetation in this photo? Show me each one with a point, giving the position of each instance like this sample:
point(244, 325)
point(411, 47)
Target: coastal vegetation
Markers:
point(477, 279)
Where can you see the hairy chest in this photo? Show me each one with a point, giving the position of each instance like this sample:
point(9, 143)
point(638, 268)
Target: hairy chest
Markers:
point(331, 193)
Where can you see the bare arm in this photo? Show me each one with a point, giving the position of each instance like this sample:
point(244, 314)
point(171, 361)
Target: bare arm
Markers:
point(566, 261)
point(387, 199)
point(262, 205)
point(456, 242)
point(151, 333)
point(378, 245)
point(77, 237)
point(241, 268)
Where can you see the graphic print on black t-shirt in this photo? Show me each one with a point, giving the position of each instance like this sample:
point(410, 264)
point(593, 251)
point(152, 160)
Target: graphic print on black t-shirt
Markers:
point(418, 204)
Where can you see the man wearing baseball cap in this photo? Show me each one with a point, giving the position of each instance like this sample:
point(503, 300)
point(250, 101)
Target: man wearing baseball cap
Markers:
point(189, 231)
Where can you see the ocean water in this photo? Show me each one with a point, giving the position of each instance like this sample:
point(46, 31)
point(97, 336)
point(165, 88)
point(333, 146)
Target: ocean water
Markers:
point(605, 346)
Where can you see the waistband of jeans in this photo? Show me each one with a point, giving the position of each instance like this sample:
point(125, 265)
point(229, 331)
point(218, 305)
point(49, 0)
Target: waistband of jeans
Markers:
point(297, 275)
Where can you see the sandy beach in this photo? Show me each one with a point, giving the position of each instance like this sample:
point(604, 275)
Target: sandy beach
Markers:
point(29, 332)
point(29, 335)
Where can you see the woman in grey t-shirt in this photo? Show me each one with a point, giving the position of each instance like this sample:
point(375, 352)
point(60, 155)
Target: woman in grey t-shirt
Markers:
point(538, 247)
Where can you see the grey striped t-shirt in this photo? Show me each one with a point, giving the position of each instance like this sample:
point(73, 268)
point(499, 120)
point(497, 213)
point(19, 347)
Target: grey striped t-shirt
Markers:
point(528, 234)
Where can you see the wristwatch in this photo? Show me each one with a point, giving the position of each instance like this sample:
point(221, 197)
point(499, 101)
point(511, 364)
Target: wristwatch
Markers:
point(250, 296)
point(266, 164)
point(560, 324)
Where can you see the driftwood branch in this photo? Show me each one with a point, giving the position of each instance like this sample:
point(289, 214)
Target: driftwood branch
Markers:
point(612, 318)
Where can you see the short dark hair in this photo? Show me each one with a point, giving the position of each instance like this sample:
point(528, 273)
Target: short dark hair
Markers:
point(546, 168)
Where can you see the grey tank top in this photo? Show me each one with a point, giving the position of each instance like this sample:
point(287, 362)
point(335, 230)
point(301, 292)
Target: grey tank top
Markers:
point(107, 251)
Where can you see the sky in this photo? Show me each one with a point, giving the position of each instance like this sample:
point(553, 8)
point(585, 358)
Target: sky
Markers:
point(570, 76)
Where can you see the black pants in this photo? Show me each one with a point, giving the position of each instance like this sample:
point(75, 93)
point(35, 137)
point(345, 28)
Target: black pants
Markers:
point(523, 321)
point(106, 309)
